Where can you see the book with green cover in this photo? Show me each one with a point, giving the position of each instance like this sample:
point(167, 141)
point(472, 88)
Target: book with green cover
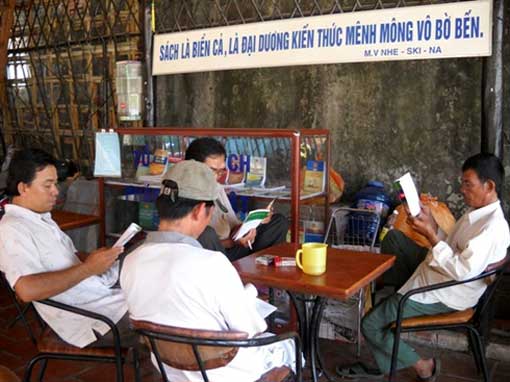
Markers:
point(252, 220)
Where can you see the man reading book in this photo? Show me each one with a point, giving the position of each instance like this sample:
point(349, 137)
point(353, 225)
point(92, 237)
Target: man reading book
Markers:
point(219, 234)
point(479, 238)
point(40, 261)
point(172, 280)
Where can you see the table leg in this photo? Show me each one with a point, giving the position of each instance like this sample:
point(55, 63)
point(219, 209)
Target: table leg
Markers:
point(309, 328)
point(359, 316)
point(315, 323)
point(302, 315)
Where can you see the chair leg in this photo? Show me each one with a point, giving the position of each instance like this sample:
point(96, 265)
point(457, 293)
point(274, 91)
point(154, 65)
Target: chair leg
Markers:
point(474, 348)
point(119, 368)
point(481, 354)
point(136, 365)
point(44, 363)
point(30, 366)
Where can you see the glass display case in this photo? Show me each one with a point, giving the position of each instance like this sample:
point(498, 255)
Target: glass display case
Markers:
point(288, 165)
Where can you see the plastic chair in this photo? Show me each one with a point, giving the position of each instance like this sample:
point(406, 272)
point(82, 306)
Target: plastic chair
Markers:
point(201, 350)
point(50, 346)
point(353, 229)
point(471, 320)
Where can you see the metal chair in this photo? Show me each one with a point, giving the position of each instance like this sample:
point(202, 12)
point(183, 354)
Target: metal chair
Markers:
point(201, 350)
point(50, 346)
point(471, 320)
point(21, 309)
point(354, 229)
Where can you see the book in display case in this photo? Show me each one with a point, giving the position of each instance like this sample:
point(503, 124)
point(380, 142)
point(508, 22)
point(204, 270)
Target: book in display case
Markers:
point(289, 165)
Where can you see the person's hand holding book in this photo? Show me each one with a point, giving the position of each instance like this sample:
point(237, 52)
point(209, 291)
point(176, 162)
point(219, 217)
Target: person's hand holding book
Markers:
point(270, 208)
point(247, 240)
point(424, 224)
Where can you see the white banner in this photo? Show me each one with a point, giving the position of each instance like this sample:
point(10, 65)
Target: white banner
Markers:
point(462, 29)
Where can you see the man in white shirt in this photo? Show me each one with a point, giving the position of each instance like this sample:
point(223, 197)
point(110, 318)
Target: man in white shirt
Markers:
point(172, 280)
point(224, 224)
point(39, 260)
point(479, 238)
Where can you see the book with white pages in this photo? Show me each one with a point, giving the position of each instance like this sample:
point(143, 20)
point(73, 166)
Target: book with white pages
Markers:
point(263, 308)
point(411, 193)
point(127, 235)
point(252, 220)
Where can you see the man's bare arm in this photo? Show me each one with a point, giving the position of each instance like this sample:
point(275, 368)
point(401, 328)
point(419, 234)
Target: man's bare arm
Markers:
point(44, 285)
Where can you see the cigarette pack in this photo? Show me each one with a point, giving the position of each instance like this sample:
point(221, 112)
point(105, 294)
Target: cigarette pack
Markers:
point(284, 261)
point(265, 259)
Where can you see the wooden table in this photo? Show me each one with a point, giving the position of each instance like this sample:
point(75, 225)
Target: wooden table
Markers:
point(347, 272)
point(69, 220)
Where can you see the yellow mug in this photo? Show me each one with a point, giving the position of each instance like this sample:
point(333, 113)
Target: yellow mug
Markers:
point(313, 258)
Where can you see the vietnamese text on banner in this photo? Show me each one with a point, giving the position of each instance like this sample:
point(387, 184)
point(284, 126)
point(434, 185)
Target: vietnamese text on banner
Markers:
point(461, 29)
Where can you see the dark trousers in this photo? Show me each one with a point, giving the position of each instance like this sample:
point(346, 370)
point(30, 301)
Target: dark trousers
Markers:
point(268, 234)
point(408, 256)
point(128, 338)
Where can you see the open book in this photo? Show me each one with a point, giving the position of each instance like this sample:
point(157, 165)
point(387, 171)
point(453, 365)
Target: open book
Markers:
point(263, 308)
point(253, 220)
point(128, 234)
point(411, 194)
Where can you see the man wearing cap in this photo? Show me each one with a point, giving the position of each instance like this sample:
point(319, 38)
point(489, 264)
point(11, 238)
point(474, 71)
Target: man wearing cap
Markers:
point(219, 234)
point(172, 280)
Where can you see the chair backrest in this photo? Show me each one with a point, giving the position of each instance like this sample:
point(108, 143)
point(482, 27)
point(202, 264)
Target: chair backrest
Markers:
point(188, 349)
point(495, 274)
point(353, 228)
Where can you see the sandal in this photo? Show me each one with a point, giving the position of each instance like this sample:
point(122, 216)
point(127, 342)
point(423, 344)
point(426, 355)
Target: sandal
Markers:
point(359, 371)
point(435, 372)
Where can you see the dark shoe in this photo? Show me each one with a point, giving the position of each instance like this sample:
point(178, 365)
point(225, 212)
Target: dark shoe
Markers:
point(359, 372)
point(435, 372)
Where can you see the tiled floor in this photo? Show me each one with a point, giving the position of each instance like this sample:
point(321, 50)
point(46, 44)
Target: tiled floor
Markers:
point(16, 349)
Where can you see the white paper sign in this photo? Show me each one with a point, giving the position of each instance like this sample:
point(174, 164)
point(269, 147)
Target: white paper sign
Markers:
point(107, 161)
point(460, 29)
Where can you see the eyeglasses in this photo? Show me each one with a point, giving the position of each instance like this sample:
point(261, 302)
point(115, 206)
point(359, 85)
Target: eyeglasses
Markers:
point(219, 171)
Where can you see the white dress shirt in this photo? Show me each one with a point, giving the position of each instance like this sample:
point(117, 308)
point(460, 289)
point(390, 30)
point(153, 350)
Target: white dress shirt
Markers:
point(480, 237)
point(172, 280)
point(32, 243)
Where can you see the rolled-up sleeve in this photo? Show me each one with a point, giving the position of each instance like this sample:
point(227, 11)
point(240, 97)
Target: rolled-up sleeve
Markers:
point(471, 261)
point(18, 254)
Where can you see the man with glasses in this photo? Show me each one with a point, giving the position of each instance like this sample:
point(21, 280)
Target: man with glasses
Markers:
point(479, 238)
point(219, 235)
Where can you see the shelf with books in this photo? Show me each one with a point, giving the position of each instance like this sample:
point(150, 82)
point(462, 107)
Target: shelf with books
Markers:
point(263, 163)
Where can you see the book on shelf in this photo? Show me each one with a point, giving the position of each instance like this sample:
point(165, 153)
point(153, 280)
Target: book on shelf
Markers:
point(256, 176)
point(314, 178)
point(234, 178)
point(160, 163)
